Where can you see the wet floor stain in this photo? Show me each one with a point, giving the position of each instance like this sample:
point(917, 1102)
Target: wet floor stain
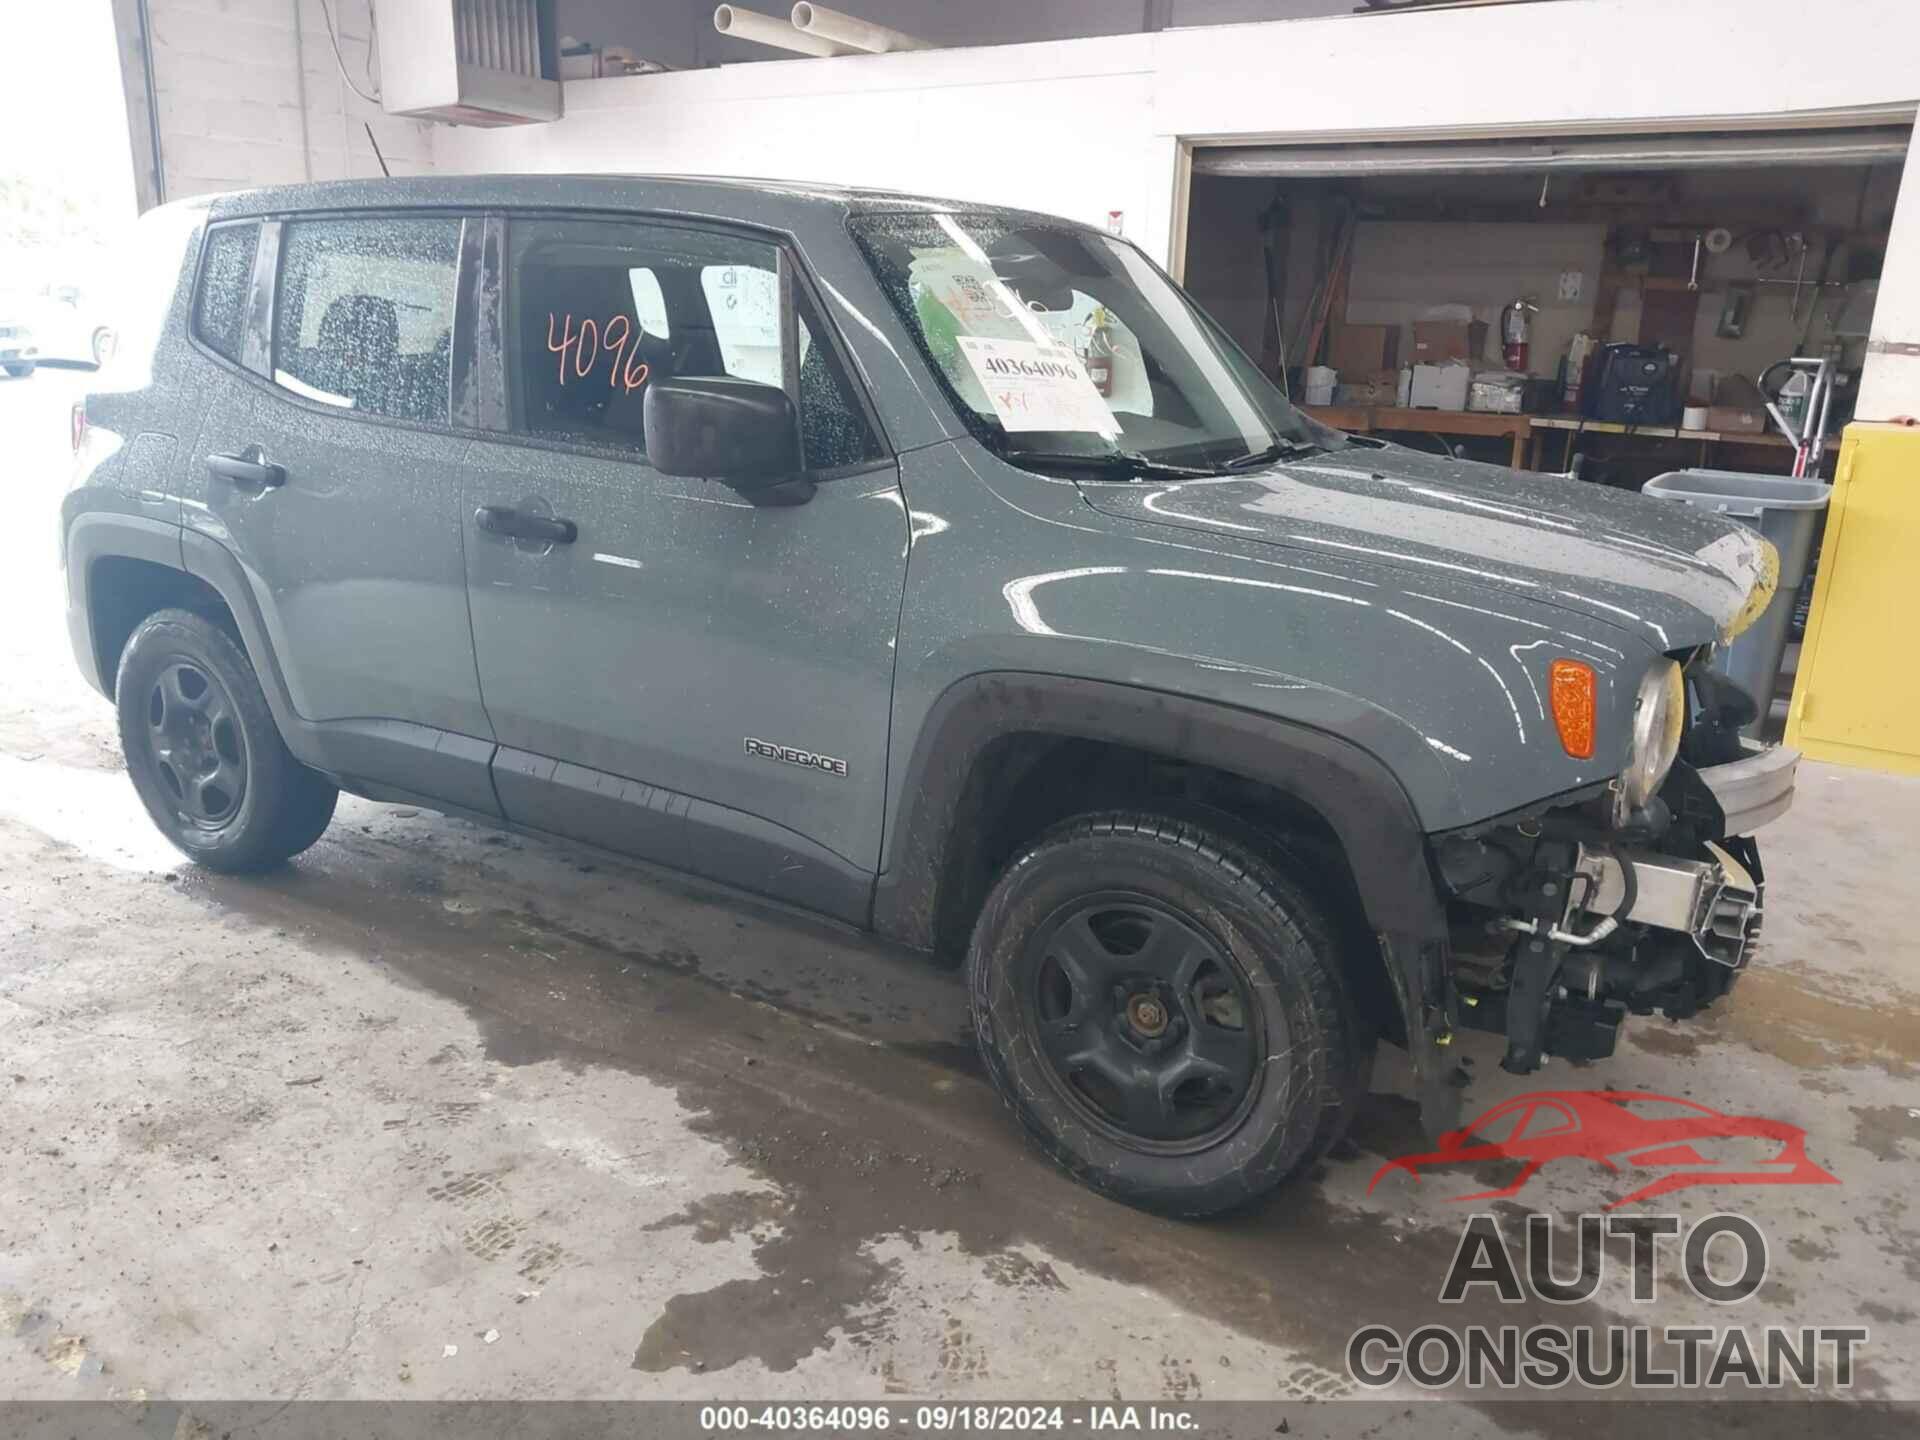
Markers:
point(1657, 1039)
point(856, 1143)
point(1796, 1019)
point(1891, 1132)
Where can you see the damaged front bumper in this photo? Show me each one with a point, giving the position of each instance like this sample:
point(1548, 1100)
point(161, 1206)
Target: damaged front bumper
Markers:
point(1562, 924)
point(1714, 902)
point(1754, 790)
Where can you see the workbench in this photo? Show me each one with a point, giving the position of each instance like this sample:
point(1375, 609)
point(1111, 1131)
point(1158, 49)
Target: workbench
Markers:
point(1574, 427)
point(1364, 419)
point(1527, 432)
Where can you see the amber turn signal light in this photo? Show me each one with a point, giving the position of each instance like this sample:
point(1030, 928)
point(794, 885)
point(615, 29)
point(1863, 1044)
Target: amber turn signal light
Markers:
point(1573, 688)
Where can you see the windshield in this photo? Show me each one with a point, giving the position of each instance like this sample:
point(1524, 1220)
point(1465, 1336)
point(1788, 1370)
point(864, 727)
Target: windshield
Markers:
point(1059, 344)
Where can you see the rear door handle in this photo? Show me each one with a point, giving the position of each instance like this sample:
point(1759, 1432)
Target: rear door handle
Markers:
point(249, 467)
point(505, 520)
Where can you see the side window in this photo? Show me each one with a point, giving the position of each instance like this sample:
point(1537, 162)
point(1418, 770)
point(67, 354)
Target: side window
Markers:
point(833, 431)
point(598, 310)
point(226, 277)
point(363, 314)
point(745, 303)
point(649, 303)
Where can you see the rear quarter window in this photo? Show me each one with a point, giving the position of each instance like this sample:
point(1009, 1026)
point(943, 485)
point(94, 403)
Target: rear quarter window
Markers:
point(226, 278)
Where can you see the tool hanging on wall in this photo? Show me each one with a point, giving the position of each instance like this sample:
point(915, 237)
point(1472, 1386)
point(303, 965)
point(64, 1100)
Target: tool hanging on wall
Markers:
point(1276, 232)
point(1330, 290)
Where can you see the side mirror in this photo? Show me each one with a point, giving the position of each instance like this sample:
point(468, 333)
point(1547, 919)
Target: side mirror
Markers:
point(743, 434)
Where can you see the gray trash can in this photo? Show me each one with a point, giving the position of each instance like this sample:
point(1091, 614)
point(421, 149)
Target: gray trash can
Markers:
point(1786, 511)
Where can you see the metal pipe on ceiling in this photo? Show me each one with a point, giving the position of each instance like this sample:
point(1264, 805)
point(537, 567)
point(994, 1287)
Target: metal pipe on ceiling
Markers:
point(845, 29)
point(765, 30)
point(1744, 151)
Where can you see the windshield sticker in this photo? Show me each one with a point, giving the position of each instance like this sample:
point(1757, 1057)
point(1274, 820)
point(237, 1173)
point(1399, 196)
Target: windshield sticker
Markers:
point(580, 349)
point(977, 301)
point(1037, 387)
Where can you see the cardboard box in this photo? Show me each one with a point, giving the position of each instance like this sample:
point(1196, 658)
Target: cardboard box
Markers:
point(1368, 392)
point(1381, 387)
point(1435, 342)
point(1731, 420)
point(1364, 350)
point(1738, 407)
point(1439, 387)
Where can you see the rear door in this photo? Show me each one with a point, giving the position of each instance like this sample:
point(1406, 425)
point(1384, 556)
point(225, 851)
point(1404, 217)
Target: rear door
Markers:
point(692, 678)
point(332, 474)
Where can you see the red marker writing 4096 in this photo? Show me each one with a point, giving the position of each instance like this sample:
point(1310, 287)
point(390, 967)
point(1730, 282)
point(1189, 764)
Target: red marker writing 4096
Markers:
point(579, 350)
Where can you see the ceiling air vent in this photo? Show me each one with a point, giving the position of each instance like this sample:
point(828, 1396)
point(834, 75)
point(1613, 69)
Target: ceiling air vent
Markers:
point(469, 62)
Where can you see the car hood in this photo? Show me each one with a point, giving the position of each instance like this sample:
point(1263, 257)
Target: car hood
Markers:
point(1672, 574)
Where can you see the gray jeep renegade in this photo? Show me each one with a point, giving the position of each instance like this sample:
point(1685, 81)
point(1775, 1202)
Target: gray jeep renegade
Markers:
point(943, 570)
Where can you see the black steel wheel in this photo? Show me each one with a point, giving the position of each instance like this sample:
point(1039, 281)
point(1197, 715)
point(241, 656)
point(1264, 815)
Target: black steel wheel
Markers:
point(1164, 1011)
point(1146, 1022)
point(204, 753)
point(197, 745)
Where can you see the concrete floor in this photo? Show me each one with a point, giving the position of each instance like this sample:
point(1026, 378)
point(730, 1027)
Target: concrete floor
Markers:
point(437, 1112)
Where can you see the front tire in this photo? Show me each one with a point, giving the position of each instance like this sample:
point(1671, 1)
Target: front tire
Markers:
point(1164, 1012)
point(204, 753)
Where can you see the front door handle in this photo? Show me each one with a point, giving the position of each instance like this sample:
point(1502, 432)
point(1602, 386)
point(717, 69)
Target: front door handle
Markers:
point(249, 467)
point(505, 520)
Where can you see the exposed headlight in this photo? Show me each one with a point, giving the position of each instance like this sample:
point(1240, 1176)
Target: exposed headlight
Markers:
point(1659, 715)
point(1766, 581)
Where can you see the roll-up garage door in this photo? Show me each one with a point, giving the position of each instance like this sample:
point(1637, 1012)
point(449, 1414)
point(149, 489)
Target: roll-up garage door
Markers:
point(1588, 154)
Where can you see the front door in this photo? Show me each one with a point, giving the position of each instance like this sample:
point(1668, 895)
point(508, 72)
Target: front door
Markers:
point(671, 670)
point(332, 475)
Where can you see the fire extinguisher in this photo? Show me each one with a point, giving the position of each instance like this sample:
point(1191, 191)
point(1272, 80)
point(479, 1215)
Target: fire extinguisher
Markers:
point(1513, 333)
point(1099, 354)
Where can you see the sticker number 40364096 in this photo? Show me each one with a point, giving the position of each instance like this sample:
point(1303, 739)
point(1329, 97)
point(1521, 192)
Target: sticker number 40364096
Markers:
point(579, 349)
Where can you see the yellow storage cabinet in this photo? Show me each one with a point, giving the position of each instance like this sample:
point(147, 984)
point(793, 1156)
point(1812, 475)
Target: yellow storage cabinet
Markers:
point(1856, 696)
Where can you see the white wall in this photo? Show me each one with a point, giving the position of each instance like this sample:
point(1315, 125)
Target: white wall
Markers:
point(1890, 385)
point(249, 94)
point(1056, 126)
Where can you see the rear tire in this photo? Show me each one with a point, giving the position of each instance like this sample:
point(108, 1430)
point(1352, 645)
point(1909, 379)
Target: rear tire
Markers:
point(204, 753)
point(1164, 1012)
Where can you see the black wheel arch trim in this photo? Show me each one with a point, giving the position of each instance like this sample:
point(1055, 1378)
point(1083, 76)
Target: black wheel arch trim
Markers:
point(103, 534)
point(207, 560)
point(1350, 788)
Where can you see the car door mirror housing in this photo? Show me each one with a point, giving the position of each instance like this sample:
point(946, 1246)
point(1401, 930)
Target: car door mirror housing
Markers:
point(743, 434)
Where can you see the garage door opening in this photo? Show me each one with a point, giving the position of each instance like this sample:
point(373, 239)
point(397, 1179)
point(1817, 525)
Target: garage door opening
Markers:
point(1613, 306)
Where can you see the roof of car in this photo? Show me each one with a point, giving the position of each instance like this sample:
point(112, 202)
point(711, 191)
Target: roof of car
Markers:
point(716, 197)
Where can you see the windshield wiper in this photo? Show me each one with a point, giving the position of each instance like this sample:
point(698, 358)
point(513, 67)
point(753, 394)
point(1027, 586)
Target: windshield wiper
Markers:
point(1279, 450)
point(1128, 463)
